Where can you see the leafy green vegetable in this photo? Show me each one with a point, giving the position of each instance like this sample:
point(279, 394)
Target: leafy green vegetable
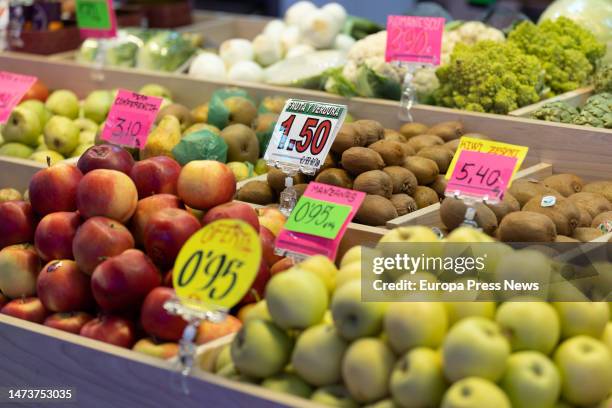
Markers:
point(602, 82)
point(556, 112)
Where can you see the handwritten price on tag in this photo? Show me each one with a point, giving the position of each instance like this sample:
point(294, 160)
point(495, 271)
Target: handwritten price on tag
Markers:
point(317, 217)
point(126, 129)
point(414, 39)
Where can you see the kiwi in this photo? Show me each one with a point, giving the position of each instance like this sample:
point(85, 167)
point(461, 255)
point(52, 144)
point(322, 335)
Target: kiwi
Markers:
point(601, 218)
point(453, 145)
point(593, 203)
point(447, 130)
point(328, 163)
point(375, 210)
point(276, 179)
point(507, 205)
point(421, 141)
point(565, 239)
point(439, 185)
point(585, 219)
point(335, 177)
point(299, 189)
point(563, 213)
point(357, 160)
point(256, 192)
point(413, 129)
point(524, 190)
point(425, 196)
point(394, 136)
point(586, 234)
point(452, 214)
point(527, 226)
point(404, 204)
point(441, 155)
point(407, 149)
point(375, 182)
point(566, 184)
point(601, 187)
point(404, 181)
point(370, 130)
point(347, 137)
point(391, 152)
point(425, 170)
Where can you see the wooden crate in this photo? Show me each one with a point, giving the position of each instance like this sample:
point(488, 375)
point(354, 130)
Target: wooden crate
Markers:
point(574, 98)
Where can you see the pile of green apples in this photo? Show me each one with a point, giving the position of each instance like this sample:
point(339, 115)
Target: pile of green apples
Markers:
point(313, 337)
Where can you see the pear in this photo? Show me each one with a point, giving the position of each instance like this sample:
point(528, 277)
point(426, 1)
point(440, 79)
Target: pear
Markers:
point(97, 104)
point(200, 113)
point(289, 384)
point(180, 112)
point(163, 138)
point(156, 90)
point(23, 126)
point(61, 135)
point(242, 143)
point(82, 148)
point(47, 157)
point(85, 124)
point(18, 150)
point(64, 103)
point(39, 108)
point(201, 126)
point(241, 110)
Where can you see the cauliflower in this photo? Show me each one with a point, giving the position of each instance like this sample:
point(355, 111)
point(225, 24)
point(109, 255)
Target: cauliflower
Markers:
point(596, 112)
point(469, 33)
point(369, 51)
point(425, 82)
point(556, 112)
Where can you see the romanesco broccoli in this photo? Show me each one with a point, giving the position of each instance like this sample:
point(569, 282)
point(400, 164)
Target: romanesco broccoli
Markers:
point(597, 111)
point(556, 112)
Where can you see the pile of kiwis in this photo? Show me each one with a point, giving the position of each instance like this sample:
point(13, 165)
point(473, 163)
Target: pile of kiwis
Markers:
point(400, 171)
point(573, 211)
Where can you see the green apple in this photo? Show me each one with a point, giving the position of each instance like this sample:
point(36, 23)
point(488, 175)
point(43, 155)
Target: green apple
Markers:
point(585, 365)
point(457, 311)
point(475, 347)
point(97, 104)
point(468, 235)
point(64, 103)
point(529, 325)
point(61, 135)
point(296, 299)
point(23, 126)
point(317, 356)
point(323, 267)
point(261, 166)
point(230, 372)
point(87, 137)
point(474, 392)
point(563, 404)
point(589, 318)
point(386, 403)
point(415, 324)
point(417, 379)
point(333, 396)
point(259, 311)
point(14, 149)
point(607, 336)
point(289, 384)
point(366, 369)
point(39, 108)
point(82, 148)
point(156, 90)
point(223, 358)
point(48, 157)
point(261, 349)
point(354, 318)
point(528, 266)
point(531, 380)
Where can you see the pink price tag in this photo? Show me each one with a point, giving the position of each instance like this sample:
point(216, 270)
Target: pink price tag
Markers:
point(414, 39)
point(12, 89)
point(307, 244)
point(130, 119)
point(481, 175)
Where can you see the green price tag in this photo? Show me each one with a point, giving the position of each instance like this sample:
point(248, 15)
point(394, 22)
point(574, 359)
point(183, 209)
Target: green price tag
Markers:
point(317, 217)
point(93, 14)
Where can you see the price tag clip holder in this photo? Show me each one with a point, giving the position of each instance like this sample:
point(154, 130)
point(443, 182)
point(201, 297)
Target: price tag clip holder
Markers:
point(469, 219)
point(409, 95)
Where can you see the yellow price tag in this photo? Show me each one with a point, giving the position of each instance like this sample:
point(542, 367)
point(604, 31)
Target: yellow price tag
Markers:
point(490, 147)
point(218, 264)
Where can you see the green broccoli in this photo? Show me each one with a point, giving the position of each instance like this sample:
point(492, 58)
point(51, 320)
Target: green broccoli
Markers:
point(597, 111)
point(556, 112)
point(602, 82)
point(568, 53)
point(489, 77)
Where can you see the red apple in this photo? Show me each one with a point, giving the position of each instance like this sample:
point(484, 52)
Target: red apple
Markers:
point(146, 208)
point(106, 156)
point(272, 219)
point(37, 91)
point(54, 189)
point(71, 322)
point(236, 210)
point(155, 175)
point(110, 329)
point(123, 281)
point(16, 223)
point(208, 331)
point(204, 184)
point(167, 281)
point(97, 239)
point(107, 193)
point(268, 241)
point(156, 348)
point(3, 300)
point(258, 288)
point(62, 287)
point(156, 321)
point(282, 265)
point(19, 268)
point(54, 234)
point(165, 234)
point(30, 308)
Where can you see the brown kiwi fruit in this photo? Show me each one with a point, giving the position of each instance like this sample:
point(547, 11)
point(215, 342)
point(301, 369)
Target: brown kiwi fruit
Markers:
point(527, 226)
point(440, 154)
point(447, 130)
point(421, 141)
point(524, 190)
point(391, 152)
point(394, 136)
point(566, 184)
point(453, 145)
point(276, 179)
point(425, 196)
point(256, 192)
point(299, 189)
point(586, 234)
point(425, 170)
point(335, 177)
point(413, 129)
point(601, 218)
point(375, 182)
point(375, 210)
point(563, 213)
point(328, 163)
point(593, 203)
point(348, 136)
point(565, 239)
point(371, 130)
point(408, 150)
point(585, 218)
point(439, 185)
point(404, 204)
point(452, 214)
point(404, 181)
point(507, 205)
point(357, 160)
point(600, 187)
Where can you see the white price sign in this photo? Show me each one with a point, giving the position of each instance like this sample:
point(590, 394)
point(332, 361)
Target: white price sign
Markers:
point(304, 134)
